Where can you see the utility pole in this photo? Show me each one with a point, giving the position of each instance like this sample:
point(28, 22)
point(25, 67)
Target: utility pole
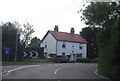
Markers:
point(17, 32)
point(16, 47)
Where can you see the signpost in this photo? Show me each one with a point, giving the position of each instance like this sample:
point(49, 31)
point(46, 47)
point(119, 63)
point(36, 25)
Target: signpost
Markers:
point(7, 51)
point(31, 54)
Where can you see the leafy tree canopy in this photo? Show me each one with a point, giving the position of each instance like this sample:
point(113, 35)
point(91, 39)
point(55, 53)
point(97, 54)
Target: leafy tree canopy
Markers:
point(35, 42)
point(26, 34)
point(101, 13)
point(105, 17)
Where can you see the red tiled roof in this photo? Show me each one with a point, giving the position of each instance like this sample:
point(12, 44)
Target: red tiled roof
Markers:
point(67, 37)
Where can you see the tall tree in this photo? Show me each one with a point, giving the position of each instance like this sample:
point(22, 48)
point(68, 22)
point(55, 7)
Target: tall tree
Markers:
point(27, 32)
point(9, 32)
point(90, 35)
point(105, 17)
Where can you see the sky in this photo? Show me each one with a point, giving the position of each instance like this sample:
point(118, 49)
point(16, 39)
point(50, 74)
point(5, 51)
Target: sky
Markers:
point(43, 14)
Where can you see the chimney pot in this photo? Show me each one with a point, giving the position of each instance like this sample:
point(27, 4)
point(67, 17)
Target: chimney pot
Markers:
point(56, 28)
point(72, 31)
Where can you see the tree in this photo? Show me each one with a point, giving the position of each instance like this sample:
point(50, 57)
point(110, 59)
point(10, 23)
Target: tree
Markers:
point(26, 34)
point(35, 42)
point(105, 17)
point(9, 32)
point(90, 35)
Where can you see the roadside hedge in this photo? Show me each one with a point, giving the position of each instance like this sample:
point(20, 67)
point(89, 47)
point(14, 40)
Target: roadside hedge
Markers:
point(80, 59)
point(86, 60)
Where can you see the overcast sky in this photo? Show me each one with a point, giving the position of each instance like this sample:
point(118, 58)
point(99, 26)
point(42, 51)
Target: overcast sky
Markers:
point(43, 14)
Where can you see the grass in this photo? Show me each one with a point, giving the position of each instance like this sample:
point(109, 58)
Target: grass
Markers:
point(28, 62)
point(35, 61)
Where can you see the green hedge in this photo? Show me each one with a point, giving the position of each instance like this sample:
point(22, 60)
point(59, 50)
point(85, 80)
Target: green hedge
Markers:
point(80, 59)
point(86, 60)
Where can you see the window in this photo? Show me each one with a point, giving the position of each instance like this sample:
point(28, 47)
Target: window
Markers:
point(79, 55)
point(63, 54)
point(64, 45)
point(45, 54)
point(81, 46)
point(46, 46)
point(69, 56)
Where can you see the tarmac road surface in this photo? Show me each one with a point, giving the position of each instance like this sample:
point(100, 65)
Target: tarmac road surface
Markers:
point(53, 71)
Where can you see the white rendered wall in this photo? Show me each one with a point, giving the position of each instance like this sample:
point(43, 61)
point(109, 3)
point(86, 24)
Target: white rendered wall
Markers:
point(85, 50)
point(50, 41)
point(71, 47)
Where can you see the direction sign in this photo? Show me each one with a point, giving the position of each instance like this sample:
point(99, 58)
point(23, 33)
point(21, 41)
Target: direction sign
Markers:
point(7, 51)
point(25, 54)
point(31, 54)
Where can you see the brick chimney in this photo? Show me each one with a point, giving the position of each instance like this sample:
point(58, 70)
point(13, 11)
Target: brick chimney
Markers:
point(72, 31)
point(56, 28)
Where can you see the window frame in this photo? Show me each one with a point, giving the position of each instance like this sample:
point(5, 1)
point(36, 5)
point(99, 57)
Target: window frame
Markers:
point(63, 44)
point(80, 46)
point(63, 53)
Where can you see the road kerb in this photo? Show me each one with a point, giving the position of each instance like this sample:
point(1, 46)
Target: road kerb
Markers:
point(101, 75)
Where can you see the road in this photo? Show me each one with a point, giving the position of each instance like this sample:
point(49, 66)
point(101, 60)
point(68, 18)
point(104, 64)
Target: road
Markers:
point(52, 71)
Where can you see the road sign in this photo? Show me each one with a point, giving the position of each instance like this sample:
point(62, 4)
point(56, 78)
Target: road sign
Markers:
point(31, 54)
point(25, 54)
point(7, 51)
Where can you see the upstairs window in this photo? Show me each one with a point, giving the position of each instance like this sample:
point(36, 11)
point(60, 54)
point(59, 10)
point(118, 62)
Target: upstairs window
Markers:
point(64, 45)
point(46, 46)
point(81, 46)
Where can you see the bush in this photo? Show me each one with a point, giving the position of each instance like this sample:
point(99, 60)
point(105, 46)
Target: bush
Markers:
point(60, 59)
point(94, 60)
point(81, 59)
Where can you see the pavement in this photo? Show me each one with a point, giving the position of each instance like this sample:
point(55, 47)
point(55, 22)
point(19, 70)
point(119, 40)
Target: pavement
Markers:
point(51, 71)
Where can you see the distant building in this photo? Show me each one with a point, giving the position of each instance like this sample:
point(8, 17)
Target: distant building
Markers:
point(64, 44)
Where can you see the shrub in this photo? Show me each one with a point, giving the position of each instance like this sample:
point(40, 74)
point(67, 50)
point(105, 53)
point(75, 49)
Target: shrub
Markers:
point(94, 60)
point(81, 59)
point(60, 59)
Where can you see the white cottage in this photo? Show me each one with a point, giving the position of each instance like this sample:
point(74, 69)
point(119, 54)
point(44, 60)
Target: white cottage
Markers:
point(62, 43)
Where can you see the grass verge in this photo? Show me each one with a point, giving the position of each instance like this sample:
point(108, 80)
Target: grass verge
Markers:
point(28, 62)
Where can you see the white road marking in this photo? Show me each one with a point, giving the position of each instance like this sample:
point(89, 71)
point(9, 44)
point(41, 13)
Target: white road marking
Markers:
point(21, 68)
point(9, 71)
point(57, 70)
point(100, 75)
